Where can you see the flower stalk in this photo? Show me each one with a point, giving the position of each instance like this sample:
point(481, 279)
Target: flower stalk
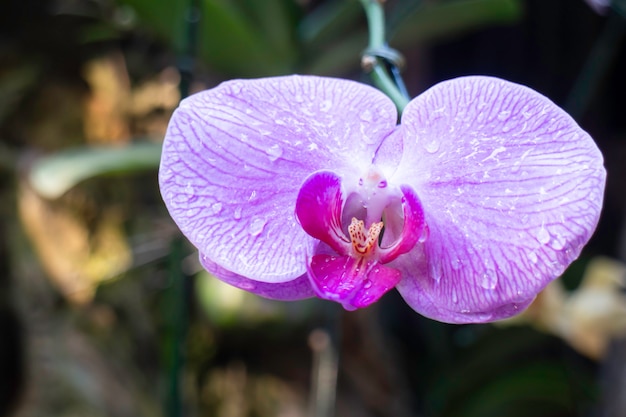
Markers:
point(373, 63)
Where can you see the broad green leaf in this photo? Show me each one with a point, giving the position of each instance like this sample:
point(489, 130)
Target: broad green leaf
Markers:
point(53, 175)
point(166, 18)
point(275, 21)
point(329, 22)
point(434, 21)
point(229, 43)
point(428, 22)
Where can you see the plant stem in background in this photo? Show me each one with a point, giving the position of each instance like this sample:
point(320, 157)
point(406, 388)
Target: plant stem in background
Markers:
point(372, 61)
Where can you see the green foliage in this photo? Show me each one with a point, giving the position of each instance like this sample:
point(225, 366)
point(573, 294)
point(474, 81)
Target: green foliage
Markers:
point(246, 38)
point(54, 175)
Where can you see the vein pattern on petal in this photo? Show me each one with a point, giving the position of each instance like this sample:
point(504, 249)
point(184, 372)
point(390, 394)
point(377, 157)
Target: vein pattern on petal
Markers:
point(235, 156)
point(511, 188)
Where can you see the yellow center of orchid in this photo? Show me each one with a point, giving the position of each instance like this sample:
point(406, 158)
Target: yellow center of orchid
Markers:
point(363, 241)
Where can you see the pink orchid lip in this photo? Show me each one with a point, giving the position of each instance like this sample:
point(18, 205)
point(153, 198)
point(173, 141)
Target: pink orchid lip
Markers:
point(356, 277)
point(352, 282)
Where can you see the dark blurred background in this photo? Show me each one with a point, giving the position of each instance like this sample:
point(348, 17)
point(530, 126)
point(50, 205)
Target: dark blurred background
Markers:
point(104, 310)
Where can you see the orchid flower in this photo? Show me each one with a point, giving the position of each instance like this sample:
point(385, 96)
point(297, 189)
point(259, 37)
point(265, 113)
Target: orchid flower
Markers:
point(301, 186)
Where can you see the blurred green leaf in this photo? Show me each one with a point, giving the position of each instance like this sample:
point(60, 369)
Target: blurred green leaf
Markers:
point(54, 175)
point(328, 22)
point(342, 56)
point(542, 383)
point(433, 21)
point(507, 371)
point(230, 43)
point(276, 21)
point(166, 18)
point(238, 37)
point(413, 25)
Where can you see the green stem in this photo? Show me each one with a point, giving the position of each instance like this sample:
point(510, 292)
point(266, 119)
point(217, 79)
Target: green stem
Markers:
point(375, 22)
point(381, 77)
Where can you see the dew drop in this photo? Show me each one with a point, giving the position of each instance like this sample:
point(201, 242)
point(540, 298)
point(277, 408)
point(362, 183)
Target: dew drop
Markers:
point(558, 243)
point(455, 298)
point(543, 236)
point(489, 280)
point(424, 236)
point(516, 167)
point(237, 213)
point(533, 257)
point(216, 207)
point(503, 115)
point(189, 189)
point(432, 146)
point(366, 116)
point(326, 105)
point(367, 284)
point(256, 227)
point(274, 152)
point(457, 264)
point(435, 272)
point(248, 286)
point(235, 88)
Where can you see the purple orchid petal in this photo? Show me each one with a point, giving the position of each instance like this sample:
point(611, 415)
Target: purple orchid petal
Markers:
point(412, 229)
point(234, 158)
point(352, 282)
point(297, 289)
point(511, 189)
point(318, 208)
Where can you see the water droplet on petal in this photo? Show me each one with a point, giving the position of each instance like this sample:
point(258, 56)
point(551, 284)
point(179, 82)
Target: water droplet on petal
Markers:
point(432, 146)
point(457, 264)
point(533, 257)
point(558, 243)
point(248, 286)
point(424, 236)
point(435, 272)
point(216, 207)
point(237, 213)
point(366, 116)
point(235, 88)
point(274, 152)
point(256, 227)
point(367, 284)
point(543, 236)
point(326, 105)
point(503, 115)
point(489, 280)
point(455, 298)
